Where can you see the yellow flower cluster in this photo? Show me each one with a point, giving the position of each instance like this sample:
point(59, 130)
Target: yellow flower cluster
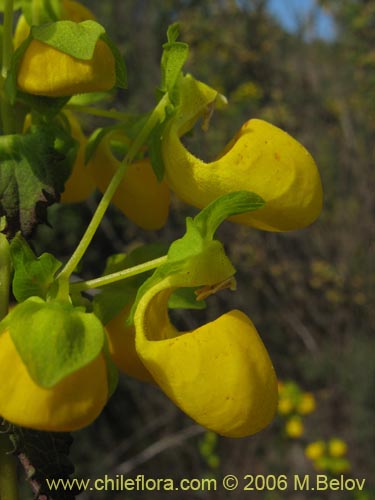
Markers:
point(329, 455)
point(293, 404)
point(219, 374)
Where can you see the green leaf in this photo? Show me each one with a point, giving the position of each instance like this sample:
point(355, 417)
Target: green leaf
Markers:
point(90, 98)
point(33, 275)
point(76, 39)
point(54, 339)
point(173, 59)
point(34, 168)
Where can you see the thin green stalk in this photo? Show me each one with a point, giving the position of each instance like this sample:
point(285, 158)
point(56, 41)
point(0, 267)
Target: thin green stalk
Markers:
point(5, 267)
point(116, 115)
point(156, 116)
point(120, 275)
point(8, 465)
point(8, 471)
point(7, 37)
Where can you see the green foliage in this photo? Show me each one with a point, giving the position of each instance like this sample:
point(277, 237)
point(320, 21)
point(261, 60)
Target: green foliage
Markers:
point(34, 168)
point(76, 39)
point(33, 276)
point(51, 354)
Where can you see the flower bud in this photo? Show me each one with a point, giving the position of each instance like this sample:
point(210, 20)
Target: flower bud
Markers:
point(45, 70)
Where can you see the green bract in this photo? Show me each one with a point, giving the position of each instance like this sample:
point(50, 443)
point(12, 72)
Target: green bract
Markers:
point(53, 339)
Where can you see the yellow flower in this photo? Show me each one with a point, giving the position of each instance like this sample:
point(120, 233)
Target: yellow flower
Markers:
point(70, 10)
point(121, 340)
point(220, 374)
point(285, 406)
point(140, 196)
point(337, 447)
point(315, 450)
point(44, 70)
point(72, 403)
point(261, 158)
point(294, 427)
point(306, 404)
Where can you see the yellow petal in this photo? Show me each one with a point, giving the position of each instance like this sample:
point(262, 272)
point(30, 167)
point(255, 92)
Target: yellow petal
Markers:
point(71, 404)
point(261, 158)
point(80, 184)
point(46, 71)
point(143, 199)
point(315, 450)
point(71, 11)
point(337, 447)
point(121, 340)
point(219, 374)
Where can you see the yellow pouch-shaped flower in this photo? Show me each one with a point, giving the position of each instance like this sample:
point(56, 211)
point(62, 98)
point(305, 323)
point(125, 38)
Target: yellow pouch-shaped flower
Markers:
point(261, 158)
point(219, 374)
point(70, 10)
point(71, 404)
point(121, 342)
point(140, 196)
point(45, 70)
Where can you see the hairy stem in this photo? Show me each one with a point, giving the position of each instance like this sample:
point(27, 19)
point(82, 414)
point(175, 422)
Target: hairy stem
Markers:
point(156, 116)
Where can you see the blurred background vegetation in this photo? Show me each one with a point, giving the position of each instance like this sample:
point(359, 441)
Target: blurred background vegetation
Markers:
point(308, 292)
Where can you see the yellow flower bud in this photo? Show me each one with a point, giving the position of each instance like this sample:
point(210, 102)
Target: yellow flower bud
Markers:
point(315, 450)
point(70, 10)
point(72, 403)
point(306, 404)
point(220, 374)
point(140, 196)
point(44, 70)
point(294, 427)
point(337, 447)
point(121, 340)
point(261, 158)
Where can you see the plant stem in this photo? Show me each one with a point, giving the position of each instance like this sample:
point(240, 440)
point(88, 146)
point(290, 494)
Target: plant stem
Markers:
point(5, 266)
point(7, 37)
point(156, 116)
point(8, 471)
point(120, 275)
point(116, 115)
point(8, 466)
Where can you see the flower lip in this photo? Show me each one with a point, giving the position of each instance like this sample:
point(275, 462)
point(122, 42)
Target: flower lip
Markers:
point(219, 374)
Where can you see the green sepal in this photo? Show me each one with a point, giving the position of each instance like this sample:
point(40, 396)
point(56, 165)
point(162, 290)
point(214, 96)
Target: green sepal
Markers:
point(53, 339)
point(173, 59)
point(185, 298)
point(90, 98)
point(113, 298)
point(196, 258)
point(34, 168)
point(75, 39)
point(33, 275)
point(120, 67)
